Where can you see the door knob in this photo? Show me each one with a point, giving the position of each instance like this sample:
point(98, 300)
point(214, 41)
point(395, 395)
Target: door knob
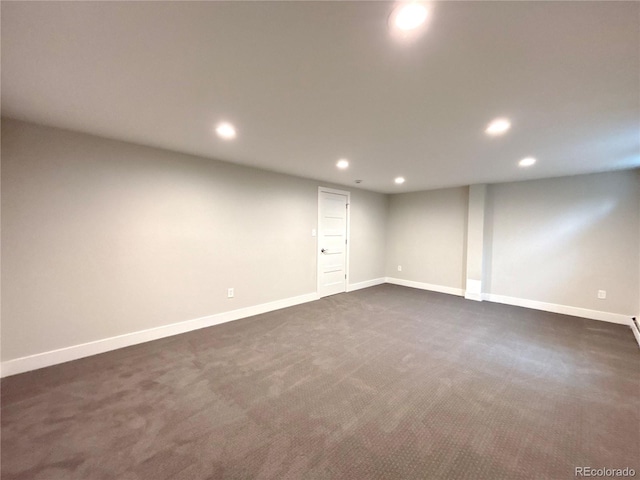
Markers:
point(323, 250)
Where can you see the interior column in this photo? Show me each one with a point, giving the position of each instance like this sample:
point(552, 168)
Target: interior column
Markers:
point(475, 242)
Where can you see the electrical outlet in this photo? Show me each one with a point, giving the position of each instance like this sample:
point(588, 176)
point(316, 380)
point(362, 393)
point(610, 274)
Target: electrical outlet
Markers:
point(230, 293)
point(602, 294)
point(313, 232)
point(399, 268)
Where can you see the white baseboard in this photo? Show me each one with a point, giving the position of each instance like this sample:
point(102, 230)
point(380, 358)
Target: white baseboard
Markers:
point(522, 302)
point(62, 355)
point(366, 284)
point(563, 309)
point(473, 290)
point(478, 297)
point(636, 332)
point(426, 286)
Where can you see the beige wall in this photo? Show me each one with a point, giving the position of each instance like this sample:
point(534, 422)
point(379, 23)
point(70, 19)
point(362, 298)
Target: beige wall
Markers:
point(556, 241)
point(476, 210)
point(103, 238)
point(368, 232)
point(426, 235)
point(561, 240)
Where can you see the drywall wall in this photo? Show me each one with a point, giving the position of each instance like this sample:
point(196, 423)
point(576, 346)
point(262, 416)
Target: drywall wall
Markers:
point(475, 242)
point(426, 236)
point(561, 240)
point(554, 241)
point(368, 231)
point(103, 238)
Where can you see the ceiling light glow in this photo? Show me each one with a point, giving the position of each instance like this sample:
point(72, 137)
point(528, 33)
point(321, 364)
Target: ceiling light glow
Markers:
point(409, 16)
point(342, 163)
point(498, 126)
point(527, 162)
point(399, 180)
point(226, 130)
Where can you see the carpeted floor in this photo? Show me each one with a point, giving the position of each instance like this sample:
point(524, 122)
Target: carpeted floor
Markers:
point(383, 383)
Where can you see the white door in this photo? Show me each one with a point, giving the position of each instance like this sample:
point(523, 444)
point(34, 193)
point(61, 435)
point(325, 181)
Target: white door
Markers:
point(333, 216)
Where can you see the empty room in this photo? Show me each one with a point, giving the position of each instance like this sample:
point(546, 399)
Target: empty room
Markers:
point(320, 240)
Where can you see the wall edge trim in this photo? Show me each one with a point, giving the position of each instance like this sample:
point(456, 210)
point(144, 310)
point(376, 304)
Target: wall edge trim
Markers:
point(352, 287)
point(562, 309)
point(636, 332)
point(426, 286)
point(75, 352)
point(523, 302)
point(478, 297)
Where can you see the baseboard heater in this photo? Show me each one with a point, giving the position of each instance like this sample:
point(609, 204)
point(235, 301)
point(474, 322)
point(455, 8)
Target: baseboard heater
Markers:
point(636, 329)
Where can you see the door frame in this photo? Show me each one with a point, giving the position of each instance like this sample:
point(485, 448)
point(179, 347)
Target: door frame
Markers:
point(347, 236)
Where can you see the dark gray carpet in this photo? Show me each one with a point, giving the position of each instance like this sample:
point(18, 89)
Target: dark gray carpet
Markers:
point(383, 383)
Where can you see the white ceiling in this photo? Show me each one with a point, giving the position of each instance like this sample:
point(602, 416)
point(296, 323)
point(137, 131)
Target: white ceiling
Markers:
point(307, 83)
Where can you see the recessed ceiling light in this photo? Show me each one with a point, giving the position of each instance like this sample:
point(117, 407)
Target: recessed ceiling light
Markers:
point(226, 130)
point(342, 163)
point(527, 162)
point(498, 126)
point(399, 180)
point(409, 16)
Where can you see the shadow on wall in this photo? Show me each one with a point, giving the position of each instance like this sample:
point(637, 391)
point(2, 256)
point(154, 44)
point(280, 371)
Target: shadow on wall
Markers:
point(571, 228)
point(550, 240)
point(487, 244)
point(565, 228)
